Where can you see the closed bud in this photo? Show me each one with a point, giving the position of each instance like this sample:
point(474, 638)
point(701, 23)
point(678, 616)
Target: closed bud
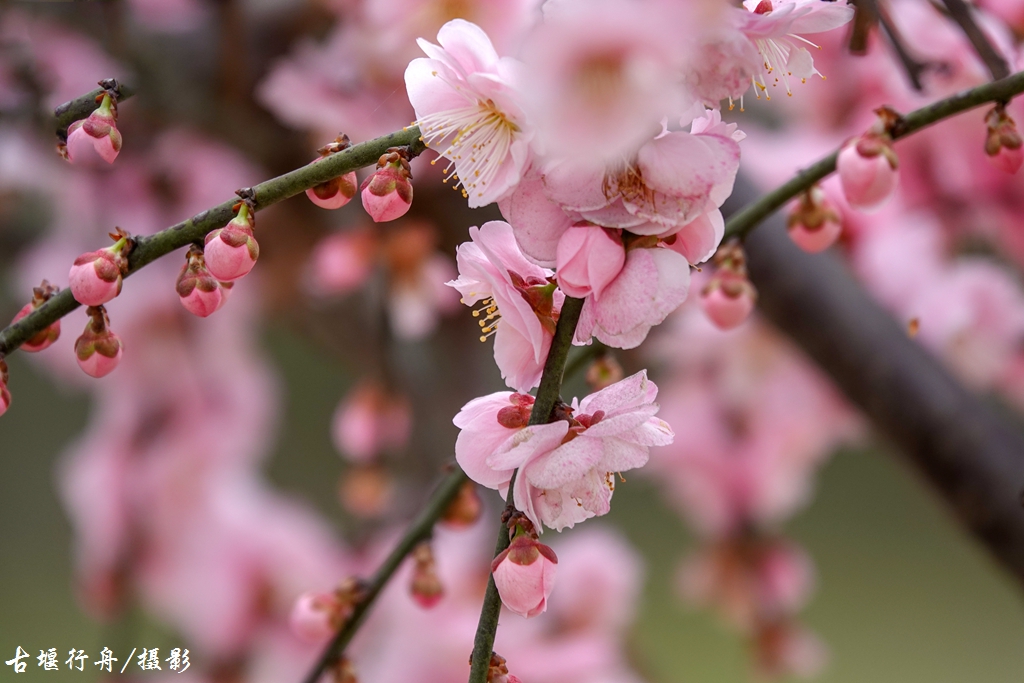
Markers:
point(814, 223)
point(729, 297)
point(98, 350)
point(337, 192)
point(1003, 144)
point(200, 293)
point(387, 194)
point(96, 276)
point(497, 671)
point(868, 166)
point(524, 574)
point(315, 617)
point(5, 394)
point(366, 491)
point(44, 338)
point(231, 251)
point(465, 510)
point(426, 587)
point(95, 137)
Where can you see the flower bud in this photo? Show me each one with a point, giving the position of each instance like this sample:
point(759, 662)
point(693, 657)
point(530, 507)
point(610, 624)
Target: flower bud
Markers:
point(315, 617)
point(868, 166)
point(426, 587)
point(814, 223)
point(465, 510)
point(604, 372)
point(44, 338)
point(231, 251)
point(387, 194)
point(95, 277)
point(1003, 144)
point(369, 421)
point(200, 293)
point(96, 136)
point(337, 192)
point(729, 297)
point(588, 258)
point(497, 671)
point(366, 491)
point(98, 349)
point(524, 574)
point(5, 394)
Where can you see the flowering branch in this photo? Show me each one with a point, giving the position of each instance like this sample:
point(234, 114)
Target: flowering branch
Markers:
point(418, 531)
point(745, 220)
point(149, 248)
point(961, 13)
point(81, 107)
point(547, 396)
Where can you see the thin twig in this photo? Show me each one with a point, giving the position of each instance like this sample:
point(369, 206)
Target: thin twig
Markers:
point(547, 396)
point(913, 67)
point(961, 13)
point(752, 214)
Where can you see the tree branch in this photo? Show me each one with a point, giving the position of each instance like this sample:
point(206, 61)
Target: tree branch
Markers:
point(961, 13)
point(418, 531)
point(151, 247)
point(80, 107)
point(747, 218)
point(547, 396)
point(974, 458)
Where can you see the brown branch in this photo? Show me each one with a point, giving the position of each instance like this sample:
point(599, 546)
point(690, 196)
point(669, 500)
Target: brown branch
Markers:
point(962, 14)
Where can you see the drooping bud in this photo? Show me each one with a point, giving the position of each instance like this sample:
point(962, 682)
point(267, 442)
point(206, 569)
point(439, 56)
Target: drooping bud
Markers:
point(1003, 144)
point(588, 258)
point(98, 350)
point(315, 617)
point(5, 394)
point(497, 671)
point(868, 166)
point(44, 338)
point(524, 573)
point(387, 194)
point(96, 276)
point(337, 192)
point(814, 223)
point(465, 510)
point(200, 293)
point(426, 587)
point(231, 251)
point(366, 491)
point(604, 372)
point(729, 297)
point(96, 136)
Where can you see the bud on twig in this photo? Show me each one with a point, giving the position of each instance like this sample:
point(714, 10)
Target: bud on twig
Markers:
point(45, 337)
point(98, 350)
point(729, 297)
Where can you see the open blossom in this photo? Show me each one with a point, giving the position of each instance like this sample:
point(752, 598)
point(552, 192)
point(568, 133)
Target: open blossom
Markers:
point(775, 28)
point(566, 467)
point(466, 103)
point(589, 258)
point(518, 303)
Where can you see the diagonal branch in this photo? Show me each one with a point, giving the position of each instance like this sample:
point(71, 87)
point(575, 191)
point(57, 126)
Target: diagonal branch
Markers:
point(962, 14)
point(747, 218)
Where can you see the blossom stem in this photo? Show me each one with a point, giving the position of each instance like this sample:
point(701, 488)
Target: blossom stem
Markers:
point(547, 396)
point(149, 248)
point(747, 218)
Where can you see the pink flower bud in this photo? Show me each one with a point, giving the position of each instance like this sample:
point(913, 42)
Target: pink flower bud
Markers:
point(728, 298)
point(335, 193)
point(98, 350)
point(868, 171)
point(387, 194)
point(588, 258)
point(370, 421)
point(96, 136)
point(1003, 144)
point(465, 510)
point(367, 491)
point(201, 294)
point(5, 395)
point(315, 617)
point(814, 223)
point(231, 251)
point(426, 587)
point(44, 338)
point(95, 277)
point(524, 574)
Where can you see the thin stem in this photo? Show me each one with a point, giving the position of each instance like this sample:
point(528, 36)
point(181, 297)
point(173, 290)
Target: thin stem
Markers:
point(746, 219)
point(962, 14)
point(418, 531)
point(80, 107)
point(547, 396)
point(151, 247)
point(913, 67)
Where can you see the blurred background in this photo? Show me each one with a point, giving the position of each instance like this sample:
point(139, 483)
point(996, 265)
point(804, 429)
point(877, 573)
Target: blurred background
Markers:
point(232, 463)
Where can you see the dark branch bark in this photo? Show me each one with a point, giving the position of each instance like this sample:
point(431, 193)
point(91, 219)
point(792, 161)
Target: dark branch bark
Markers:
point(961, 13)
point(972, 456)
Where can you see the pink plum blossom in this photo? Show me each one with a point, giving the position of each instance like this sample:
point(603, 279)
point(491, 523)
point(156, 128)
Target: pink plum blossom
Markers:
point(96, 136)
point(200, 293)
point(524, 574)
point(342, 261)
point(776, 27)
point(47, 336)
point(231, 252)
point(814, 223)
point(517, 299)
point(588, 259)
point(96, 276)
point(537, 221)
point(467, 106)
point(868, 170)
point(98, 350)
point(370, 421)
point(387, 193)
point(336, 193)
point(316, 616)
